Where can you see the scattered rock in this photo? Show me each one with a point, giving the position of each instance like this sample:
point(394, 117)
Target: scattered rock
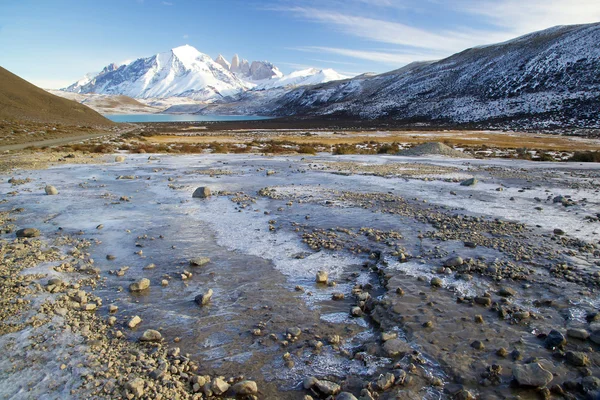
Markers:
point(436, 282)
point(469, 182)
point(385, 381)
point(199, 261)
point(202, 192)
point(581, 334)
point(453, 262)
point(28, 233)
point(532, 375)
point(322, 277)
point(204, 299)
point(345, 396)
point(219, 386)
point(244, 388)
point(151, 335)
point(136, 387)
point(294, 331)
point(133, 322)
point(119, 158)
point(396, 347)
point(140, 285)
point(577, 359)
point(554, 339)
point(506, 292)
point(50, 190)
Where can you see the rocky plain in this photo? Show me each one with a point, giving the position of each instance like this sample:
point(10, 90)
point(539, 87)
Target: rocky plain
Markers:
point(416, 276)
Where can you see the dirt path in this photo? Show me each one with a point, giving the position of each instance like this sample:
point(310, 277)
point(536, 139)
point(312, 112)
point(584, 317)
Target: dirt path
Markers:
point(56, 142)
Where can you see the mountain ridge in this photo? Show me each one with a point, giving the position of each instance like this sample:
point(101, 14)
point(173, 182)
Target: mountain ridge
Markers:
point(542, 79)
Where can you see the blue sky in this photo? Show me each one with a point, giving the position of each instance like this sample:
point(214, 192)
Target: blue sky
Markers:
point(52, 43)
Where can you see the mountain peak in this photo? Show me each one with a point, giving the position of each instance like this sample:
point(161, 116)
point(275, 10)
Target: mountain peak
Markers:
point(186, 52)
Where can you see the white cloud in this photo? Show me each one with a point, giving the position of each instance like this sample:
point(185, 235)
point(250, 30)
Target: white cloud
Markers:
point(397, 33)
point(166, 3)
point(524, 16)
point(186, 36)
point(376, 56)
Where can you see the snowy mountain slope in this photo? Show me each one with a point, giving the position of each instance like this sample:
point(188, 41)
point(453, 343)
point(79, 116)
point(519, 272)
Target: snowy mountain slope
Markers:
point(549, 78)
point(182, 72)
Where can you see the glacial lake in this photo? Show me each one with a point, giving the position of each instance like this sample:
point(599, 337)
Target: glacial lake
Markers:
point(181, 118)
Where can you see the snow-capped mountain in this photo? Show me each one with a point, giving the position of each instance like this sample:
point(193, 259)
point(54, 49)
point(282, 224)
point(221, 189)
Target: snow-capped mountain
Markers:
point(182, 72)
point(545, 79)
point(187, 73)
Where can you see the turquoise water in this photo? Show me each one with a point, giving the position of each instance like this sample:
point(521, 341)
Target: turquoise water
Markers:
point(180, 117)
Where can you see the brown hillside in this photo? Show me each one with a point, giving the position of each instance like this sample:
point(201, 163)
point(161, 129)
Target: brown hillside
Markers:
point(20, 100)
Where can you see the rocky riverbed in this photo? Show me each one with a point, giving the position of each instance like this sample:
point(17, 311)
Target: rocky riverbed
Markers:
point(369, 277)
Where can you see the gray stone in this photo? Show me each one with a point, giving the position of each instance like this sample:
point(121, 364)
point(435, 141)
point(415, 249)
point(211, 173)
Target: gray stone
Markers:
point(244, 388)
point(204, 299)
point(469, 182)
point(119, 158)
point(199, 261)
point(140, 285)
point(436, 282)
point(151, 335)
point(453, 262)
point(219, 386)
point(202, 192)
point(396, 347)
point(328, 388)
point(577, 359)
point(294, 331)
point(321, 277)
point(581, 334)
point(136, 387)
point(483, 301)
point(50, 190)
point(532, 375)
point(28, 233)
point(506, 292)
point(345, 396)
point(385, 382)
point(554, 339)
point(133, 322)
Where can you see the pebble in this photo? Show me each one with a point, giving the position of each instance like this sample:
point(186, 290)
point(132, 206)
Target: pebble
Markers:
point(133, 322)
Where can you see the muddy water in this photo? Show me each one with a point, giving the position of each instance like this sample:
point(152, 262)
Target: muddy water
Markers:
point(262, 272)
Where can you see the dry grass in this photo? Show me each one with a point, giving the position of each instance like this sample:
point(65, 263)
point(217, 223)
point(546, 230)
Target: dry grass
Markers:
point(452, 138)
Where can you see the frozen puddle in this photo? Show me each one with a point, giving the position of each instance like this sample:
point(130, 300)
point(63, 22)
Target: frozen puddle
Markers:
point(264, 280)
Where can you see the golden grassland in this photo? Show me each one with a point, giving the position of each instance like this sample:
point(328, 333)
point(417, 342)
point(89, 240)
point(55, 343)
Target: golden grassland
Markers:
point(512, 140)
